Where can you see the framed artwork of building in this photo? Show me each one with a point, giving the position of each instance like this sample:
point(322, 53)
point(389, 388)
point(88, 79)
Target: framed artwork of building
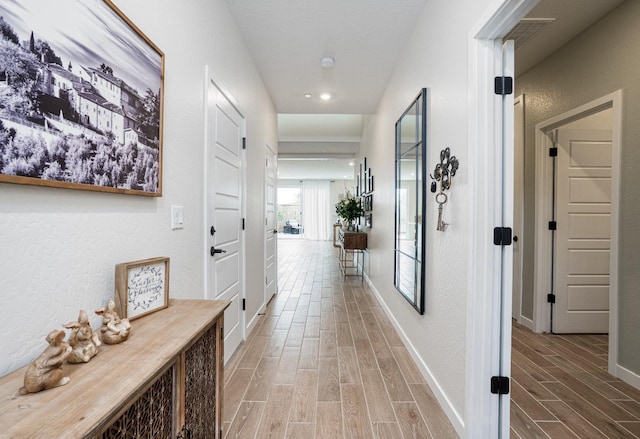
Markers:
point(81, 98)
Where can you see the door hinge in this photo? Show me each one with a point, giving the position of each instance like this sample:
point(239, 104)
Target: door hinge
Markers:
point(502, 235)
point(244, 304)
point(551, 298)
point(553, 225)
point(244, 143)
point(242, 223)
point(503, 85)
point(553, 152)
point(500, 385)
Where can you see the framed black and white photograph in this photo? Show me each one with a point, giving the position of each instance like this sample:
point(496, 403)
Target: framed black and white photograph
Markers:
point(362, 181)
point(368, 203)
point(81, 98)
point(142, 287)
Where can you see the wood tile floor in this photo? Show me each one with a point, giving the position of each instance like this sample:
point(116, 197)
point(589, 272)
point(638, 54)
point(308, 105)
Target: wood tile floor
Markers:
point(325, 362)
point(561, 389)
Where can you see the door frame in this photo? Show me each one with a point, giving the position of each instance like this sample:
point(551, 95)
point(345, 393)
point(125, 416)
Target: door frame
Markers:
point(543, 183)
point(208, 82)
point(488, 321)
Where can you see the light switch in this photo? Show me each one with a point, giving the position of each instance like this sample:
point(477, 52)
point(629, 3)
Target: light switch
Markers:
point(177, 217)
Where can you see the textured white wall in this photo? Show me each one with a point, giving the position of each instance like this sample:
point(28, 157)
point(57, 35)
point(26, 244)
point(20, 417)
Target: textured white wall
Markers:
point(436, 58)
point(58, 247)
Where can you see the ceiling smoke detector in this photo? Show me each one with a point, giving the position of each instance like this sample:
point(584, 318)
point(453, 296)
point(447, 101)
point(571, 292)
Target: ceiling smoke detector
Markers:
point(327, 62)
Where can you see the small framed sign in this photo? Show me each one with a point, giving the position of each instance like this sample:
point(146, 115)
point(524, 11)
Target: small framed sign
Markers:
point(142, 287)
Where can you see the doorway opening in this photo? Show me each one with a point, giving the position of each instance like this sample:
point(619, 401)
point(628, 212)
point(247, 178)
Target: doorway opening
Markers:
point(289, 221)
point(590, 223)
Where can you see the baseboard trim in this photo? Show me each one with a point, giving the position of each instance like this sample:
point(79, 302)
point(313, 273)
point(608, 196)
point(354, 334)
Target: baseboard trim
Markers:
point(443, 400)
point(252, 323)
point(527, 323)
point(631, 378)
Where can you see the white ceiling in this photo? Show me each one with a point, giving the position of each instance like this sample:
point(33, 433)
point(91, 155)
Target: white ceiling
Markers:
point(288, 38)
point(316, 169)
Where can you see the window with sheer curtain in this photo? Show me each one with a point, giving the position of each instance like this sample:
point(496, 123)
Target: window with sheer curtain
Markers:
point(316, 209)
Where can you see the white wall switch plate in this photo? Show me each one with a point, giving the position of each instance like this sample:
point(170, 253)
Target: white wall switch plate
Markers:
point(177, 217)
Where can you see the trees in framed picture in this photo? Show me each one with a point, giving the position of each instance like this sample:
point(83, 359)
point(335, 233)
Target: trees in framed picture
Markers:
point(81, 97)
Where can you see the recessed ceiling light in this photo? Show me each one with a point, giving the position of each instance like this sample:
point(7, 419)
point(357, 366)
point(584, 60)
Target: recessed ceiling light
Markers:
point(350, 163)
point(325, 96)
point(307, 95)
point(327, 62)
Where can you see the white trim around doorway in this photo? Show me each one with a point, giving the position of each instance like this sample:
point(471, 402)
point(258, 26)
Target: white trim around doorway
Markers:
point(484, 416)
point(542, 269)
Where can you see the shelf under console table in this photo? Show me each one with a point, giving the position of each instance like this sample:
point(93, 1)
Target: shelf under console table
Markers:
point(352, 247)
point(165, 381)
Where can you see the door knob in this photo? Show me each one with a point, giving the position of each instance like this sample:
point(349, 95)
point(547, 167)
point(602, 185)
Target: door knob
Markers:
point(216, 250)
point(275, 230)
point(515, 239)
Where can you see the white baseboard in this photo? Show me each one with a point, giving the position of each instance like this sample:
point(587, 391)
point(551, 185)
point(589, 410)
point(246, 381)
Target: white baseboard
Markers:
point(443, 400)
point(252, 324)
point(631, 378)
point(527, 323)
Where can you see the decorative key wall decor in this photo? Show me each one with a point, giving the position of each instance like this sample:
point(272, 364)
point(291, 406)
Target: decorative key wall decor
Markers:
point(442, 180)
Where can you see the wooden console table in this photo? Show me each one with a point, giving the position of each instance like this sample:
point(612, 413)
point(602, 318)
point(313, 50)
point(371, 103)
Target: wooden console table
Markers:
point(165, 381)
point(352, 247)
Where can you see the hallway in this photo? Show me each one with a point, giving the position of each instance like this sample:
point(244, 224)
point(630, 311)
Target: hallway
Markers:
point(325, 362)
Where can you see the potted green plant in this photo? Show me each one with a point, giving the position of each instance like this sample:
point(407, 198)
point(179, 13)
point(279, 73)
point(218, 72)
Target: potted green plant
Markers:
point(349, 209)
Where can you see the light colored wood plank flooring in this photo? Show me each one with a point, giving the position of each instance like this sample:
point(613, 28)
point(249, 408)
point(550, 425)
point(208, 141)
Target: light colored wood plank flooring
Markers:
point(325, 362)
point(561, 389)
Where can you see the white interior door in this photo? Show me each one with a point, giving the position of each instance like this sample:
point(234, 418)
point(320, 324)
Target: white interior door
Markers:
point(271, 243)
point(582, 243)
point(224, 206)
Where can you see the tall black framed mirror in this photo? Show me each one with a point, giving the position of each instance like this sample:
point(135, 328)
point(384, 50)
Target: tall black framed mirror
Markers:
point(410, 208)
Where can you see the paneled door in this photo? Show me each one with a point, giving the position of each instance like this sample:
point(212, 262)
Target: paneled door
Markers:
point(582, 244)
point(270, 232)
point(225, 132)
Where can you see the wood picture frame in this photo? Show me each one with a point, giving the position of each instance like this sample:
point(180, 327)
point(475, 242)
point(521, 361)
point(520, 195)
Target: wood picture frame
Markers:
point(142, 287)
point(93, 118)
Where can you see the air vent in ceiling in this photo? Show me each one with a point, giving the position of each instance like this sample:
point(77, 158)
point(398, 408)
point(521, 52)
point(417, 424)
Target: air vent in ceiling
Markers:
point(526, 29)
